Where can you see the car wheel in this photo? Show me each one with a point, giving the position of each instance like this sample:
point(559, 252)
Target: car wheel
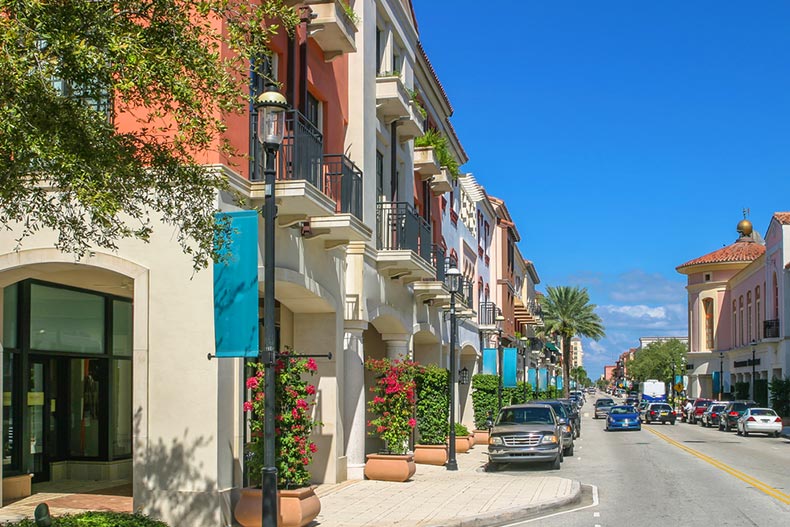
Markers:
point(556, 463)
point(493, 466)
point(721, 428)
point(776, 434)
point(727, 426)
point(738, 431)
point(568, 451)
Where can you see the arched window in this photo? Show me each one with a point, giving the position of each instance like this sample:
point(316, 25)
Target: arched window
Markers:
point(734, 324)
point(776, 298)
point(707, 305)
point(749, 320)
point(759, 329)
point(740, 319)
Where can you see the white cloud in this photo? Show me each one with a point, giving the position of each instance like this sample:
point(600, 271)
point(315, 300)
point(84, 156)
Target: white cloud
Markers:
point(639, 286)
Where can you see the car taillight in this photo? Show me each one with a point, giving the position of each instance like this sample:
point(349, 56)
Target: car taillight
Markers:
point(652, 412)
point(751, 418)
point(714, 415)
point(733, 414)
point(673, 413)
point(778, 420)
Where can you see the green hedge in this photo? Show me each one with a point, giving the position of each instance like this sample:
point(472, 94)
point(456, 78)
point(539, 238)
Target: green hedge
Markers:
point(780, 396)
point(484, 398)
point(433, 405)
point(96, 519)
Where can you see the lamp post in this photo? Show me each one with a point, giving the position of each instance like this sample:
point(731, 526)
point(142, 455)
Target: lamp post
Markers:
point(499, 322)
point(721, 373)
point(754, 373)
point(672, 385)
point(537, 373)
point(524, 342)
point(271, 106)
point(453, 278)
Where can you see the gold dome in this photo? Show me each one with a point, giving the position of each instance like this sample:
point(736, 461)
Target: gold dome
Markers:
point(744, 227)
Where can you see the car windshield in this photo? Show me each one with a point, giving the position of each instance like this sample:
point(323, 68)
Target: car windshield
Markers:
point(717, 408)
point(623, 410)
point(738, 407)
point(762, 411)
point(660, 407)
point(701, 403)
point(525, 416)
point(604, 402)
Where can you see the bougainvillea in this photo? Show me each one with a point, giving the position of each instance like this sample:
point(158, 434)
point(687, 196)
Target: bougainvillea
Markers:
point(294, 402)
point(393, 402)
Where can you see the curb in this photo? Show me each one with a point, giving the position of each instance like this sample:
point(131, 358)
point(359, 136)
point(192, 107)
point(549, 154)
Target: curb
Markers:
point(504, 516)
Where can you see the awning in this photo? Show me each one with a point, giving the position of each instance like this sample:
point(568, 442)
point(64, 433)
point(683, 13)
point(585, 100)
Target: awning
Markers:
point(551, 347)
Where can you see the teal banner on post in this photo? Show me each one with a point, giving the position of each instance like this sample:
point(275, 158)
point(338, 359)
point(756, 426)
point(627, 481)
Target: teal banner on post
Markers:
point(531, 377)
point(236, 289)
point(716, 380)
point(559, 382)
point(489, 361)
point(509, 358)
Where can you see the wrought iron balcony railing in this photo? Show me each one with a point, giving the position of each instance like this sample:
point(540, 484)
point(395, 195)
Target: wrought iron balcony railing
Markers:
point(401, 228)
point(439, 262)
point(466, 292)
point(343, 183)
point(302, 151)
point(771, 329)
point(486, 315)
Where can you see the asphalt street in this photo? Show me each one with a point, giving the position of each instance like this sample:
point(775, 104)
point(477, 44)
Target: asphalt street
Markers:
point(681, 475)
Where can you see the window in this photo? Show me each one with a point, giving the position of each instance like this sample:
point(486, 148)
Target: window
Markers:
point(379, 49)
point(759, 329)
point(707, 305)
point(314, 111)
point(122, 328)
point(776, 298)
point(10, 296)
point(707, 277)
point(734, 324)
point(269, 65)
point(379, 175)
point(740, 319)
point(66, 320)
point(749, 321)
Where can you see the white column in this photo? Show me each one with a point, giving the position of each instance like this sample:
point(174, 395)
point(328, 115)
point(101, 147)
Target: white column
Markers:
point(397, 345)
point(354, 399)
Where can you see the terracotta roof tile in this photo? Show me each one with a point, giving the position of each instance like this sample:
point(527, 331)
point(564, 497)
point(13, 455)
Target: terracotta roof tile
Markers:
point(740, 251)
point(782, 217)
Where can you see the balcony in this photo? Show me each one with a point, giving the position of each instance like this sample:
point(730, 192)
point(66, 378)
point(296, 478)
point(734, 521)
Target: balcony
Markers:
point(392, 99)
point(434, 289)
point(425, 162)
point(403, 240)
point(486, 316)
point(771, 329)
point(410, 125)
point(332, 29)
point(442, 182)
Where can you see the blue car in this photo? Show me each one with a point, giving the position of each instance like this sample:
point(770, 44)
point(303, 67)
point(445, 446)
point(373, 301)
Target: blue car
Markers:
point(623, 418)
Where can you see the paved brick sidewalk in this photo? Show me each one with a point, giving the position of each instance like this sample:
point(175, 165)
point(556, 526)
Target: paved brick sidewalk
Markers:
point(436, 497)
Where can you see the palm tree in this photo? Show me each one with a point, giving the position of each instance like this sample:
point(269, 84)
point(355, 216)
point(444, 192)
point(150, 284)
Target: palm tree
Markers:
point(567, 312)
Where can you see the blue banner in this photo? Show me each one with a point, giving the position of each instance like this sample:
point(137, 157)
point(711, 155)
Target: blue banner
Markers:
point(489, 361)
point(544, 378)
point(236, 289)
point(531, 375)
point(716, 379)
point(509, 357)
point(559, 382)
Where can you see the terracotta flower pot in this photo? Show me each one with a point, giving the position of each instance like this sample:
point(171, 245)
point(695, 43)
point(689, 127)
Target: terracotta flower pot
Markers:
point(390, 467)
point(430, 454)
point(481, 437)
point(296, 508)
point(472, 440)
point(462, 444)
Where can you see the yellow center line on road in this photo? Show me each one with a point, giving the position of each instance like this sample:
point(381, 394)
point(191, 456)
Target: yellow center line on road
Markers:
point(759, 485)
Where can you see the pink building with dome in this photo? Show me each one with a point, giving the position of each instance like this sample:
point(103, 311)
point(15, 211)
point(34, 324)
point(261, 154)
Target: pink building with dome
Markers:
point(738, 339)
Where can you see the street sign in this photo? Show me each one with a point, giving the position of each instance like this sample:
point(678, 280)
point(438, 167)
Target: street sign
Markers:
point(679, 387)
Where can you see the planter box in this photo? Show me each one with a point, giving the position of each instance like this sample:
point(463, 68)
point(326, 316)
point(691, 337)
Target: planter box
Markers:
point(472, 440)
point(425, 162)
point(481, 437)
point(462, 444)
point(390, 467)
point(296, 508)
point(442, 182)
point(17, 487)
point(430, 454)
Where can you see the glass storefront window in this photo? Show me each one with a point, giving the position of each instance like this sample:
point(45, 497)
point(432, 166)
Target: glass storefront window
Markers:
point(86, 421)
point(10, 453)
point(10, 316)
point(122, 328)
point(66, 320)
point(121, 427)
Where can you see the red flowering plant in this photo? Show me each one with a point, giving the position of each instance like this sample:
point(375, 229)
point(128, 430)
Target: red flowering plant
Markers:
point(294, 401)
point(393, 402)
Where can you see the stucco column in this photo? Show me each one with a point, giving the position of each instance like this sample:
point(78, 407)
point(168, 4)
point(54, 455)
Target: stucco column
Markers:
point(354, 398)
point(397, 345)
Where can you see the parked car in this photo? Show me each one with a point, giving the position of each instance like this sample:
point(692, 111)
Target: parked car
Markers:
point(760, 420)
point(659, 413)
point(700, 405)
point(728, 419)
point(623, 417)
point(631, 401)
point(525, 433)
point(575, 414)
point(602, 407)
point(711, 416)
point(566, 424)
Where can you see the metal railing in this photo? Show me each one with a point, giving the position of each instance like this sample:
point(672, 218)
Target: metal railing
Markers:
point(439, 262)
point(302, 152)
point(486, 315)
point(343, 183)
point(771, 329)
point(466, 292)
point(399, 227)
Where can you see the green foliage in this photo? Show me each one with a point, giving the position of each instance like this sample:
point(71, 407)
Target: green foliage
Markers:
point(350, 13)
point(294, 400)
point(516, 395)
point(416, 101)
point(393, 73)
point(441, 147)
point(433, 405)
point(484, 398)
point(567, 312)
point(780, 396)
point(656, 359)
point(461, 430)
point(761, 392)
point(742, 390)
point(96, 519)
point(393, 402)
point(68, 69)
point(550, 393)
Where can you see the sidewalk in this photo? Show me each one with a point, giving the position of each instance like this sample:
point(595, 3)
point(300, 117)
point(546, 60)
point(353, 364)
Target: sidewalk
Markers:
point(437, 498)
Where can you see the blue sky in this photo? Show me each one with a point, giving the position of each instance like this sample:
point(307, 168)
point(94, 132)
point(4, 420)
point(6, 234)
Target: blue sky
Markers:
point(626, 137)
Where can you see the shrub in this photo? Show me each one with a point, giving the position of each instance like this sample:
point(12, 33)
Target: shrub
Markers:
point(780, 396)
point(742, 390)
point(441, 148)
point(484, 398)
point(516, 395)
point(393, 402)
point(433, 404)
point(461, 430)
point(96, 519)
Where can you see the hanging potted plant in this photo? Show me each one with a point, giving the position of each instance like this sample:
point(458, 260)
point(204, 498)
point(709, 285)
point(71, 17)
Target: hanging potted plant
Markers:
point(433, 405)
point(298, 504)
point(393, 405)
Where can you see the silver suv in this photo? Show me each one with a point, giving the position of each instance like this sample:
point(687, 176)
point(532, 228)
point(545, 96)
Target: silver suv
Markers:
point(525, 433)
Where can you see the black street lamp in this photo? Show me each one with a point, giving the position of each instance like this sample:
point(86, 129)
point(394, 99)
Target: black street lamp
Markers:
point(672, 385)
point(271, 106)
point(453, 278)
point(721, 373)
point(754, 385)
point(525, 352)
point(536, 354)
point(499, 322)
